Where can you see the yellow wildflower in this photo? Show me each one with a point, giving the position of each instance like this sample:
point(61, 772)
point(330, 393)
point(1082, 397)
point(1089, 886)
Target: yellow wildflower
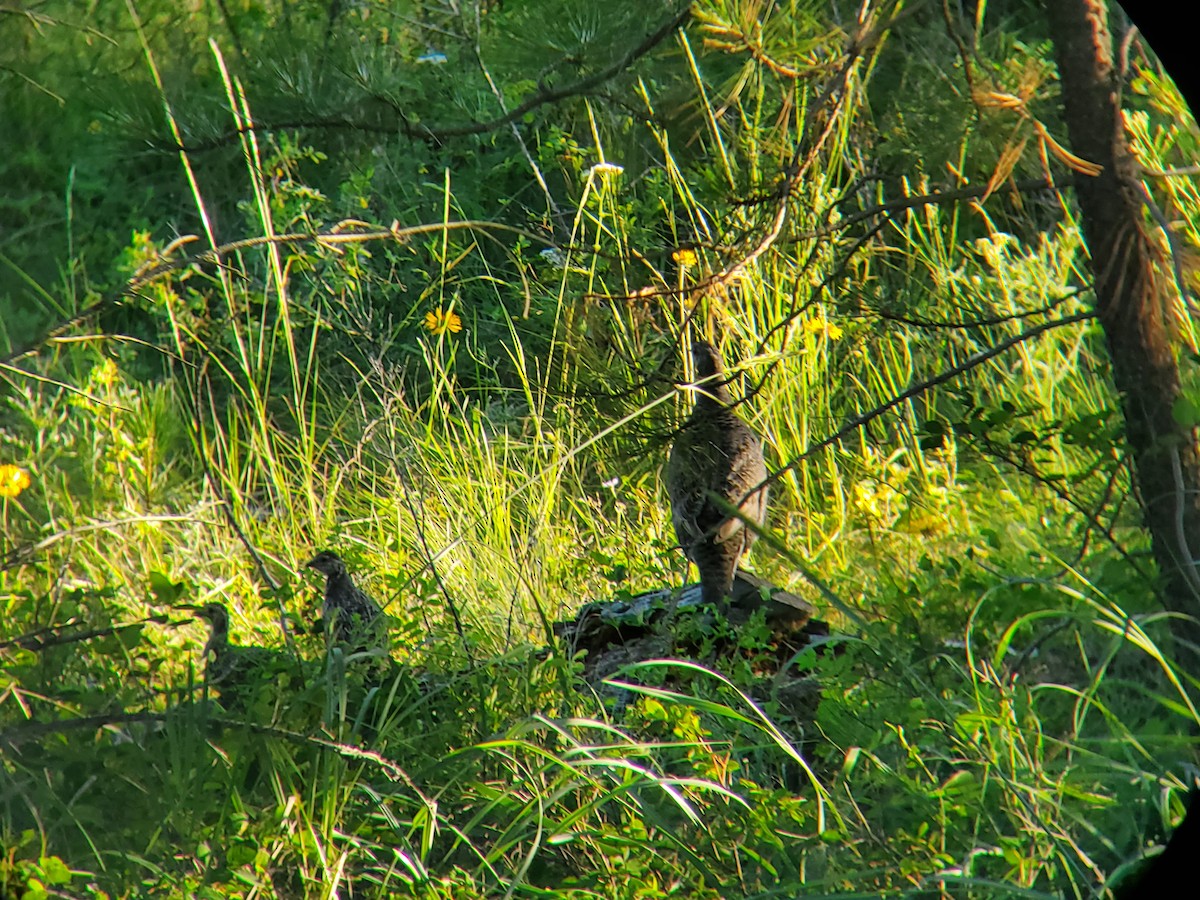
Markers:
point(440, 321)
point(13, 480)
point(685, 256)
point(823, 326)
point(866, 498)
point(105, 375)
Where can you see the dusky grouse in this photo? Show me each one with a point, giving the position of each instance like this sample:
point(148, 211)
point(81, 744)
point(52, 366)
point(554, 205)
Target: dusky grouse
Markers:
point(717, 456)
point(232, 670)
point(351, 617)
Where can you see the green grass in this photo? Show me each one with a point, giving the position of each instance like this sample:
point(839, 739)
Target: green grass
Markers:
point(1000, 715)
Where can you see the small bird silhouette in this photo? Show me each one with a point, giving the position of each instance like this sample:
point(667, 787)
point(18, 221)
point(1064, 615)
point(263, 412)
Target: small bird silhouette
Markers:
point(716, 459)
point(231, 669)
point(351, 617)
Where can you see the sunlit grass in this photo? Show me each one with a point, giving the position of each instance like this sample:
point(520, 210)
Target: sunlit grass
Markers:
point(479, 432)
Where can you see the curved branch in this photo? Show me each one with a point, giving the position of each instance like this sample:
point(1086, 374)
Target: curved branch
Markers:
point(332, 238)
point(542, 96)
point(971, 362)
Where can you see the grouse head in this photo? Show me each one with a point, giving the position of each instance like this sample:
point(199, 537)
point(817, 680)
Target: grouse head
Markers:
point(327, 563)
point(217, 616)
point(710, 373)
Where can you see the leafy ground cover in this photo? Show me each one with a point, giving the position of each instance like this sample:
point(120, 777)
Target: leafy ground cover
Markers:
point(410, 281)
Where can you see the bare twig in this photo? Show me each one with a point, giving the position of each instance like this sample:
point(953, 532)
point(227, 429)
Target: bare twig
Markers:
point(971, 362)
point(404, 125)
point(339, 235)
point(56, 635)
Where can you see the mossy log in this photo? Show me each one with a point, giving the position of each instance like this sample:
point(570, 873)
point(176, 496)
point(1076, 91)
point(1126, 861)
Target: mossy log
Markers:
point(616, 633)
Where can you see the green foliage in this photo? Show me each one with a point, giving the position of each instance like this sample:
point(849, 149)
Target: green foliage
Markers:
point(474, 415)
point(33, 878)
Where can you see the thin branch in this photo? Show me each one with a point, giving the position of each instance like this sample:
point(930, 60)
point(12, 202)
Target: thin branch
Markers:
point(22, 554)
point(519, 138)
point(542, 96)
point(1026, 468)
point(980, 323)
point(916, 390)
point(331, 239)
point(934, 198)
point(56, 635)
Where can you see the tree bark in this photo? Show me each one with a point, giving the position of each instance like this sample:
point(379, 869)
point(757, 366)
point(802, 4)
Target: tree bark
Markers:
point(1132, 302)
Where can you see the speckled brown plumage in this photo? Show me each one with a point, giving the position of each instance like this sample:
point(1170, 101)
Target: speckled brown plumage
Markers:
point(351, 616)
point(717, 456)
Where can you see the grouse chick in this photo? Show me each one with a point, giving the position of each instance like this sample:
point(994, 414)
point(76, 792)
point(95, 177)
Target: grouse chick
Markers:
point(351, 616)
point(717, 457)
point(230, 669)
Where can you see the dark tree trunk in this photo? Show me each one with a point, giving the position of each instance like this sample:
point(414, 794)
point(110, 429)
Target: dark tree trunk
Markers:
point(1132, 302)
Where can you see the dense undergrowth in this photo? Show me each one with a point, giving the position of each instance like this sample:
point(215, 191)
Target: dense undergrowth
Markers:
point(475, 416)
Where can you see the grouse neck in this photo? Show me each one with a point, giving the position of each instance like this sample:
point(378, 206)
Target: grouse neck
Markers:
point(708, 374)
point(713, 395)
point(219, 636)
point(339, 584)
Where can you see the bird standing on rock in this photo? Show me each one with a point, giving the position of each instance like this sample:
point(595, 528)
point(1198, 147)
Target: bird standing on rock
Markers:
point(351, 616)
point(717, 459)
